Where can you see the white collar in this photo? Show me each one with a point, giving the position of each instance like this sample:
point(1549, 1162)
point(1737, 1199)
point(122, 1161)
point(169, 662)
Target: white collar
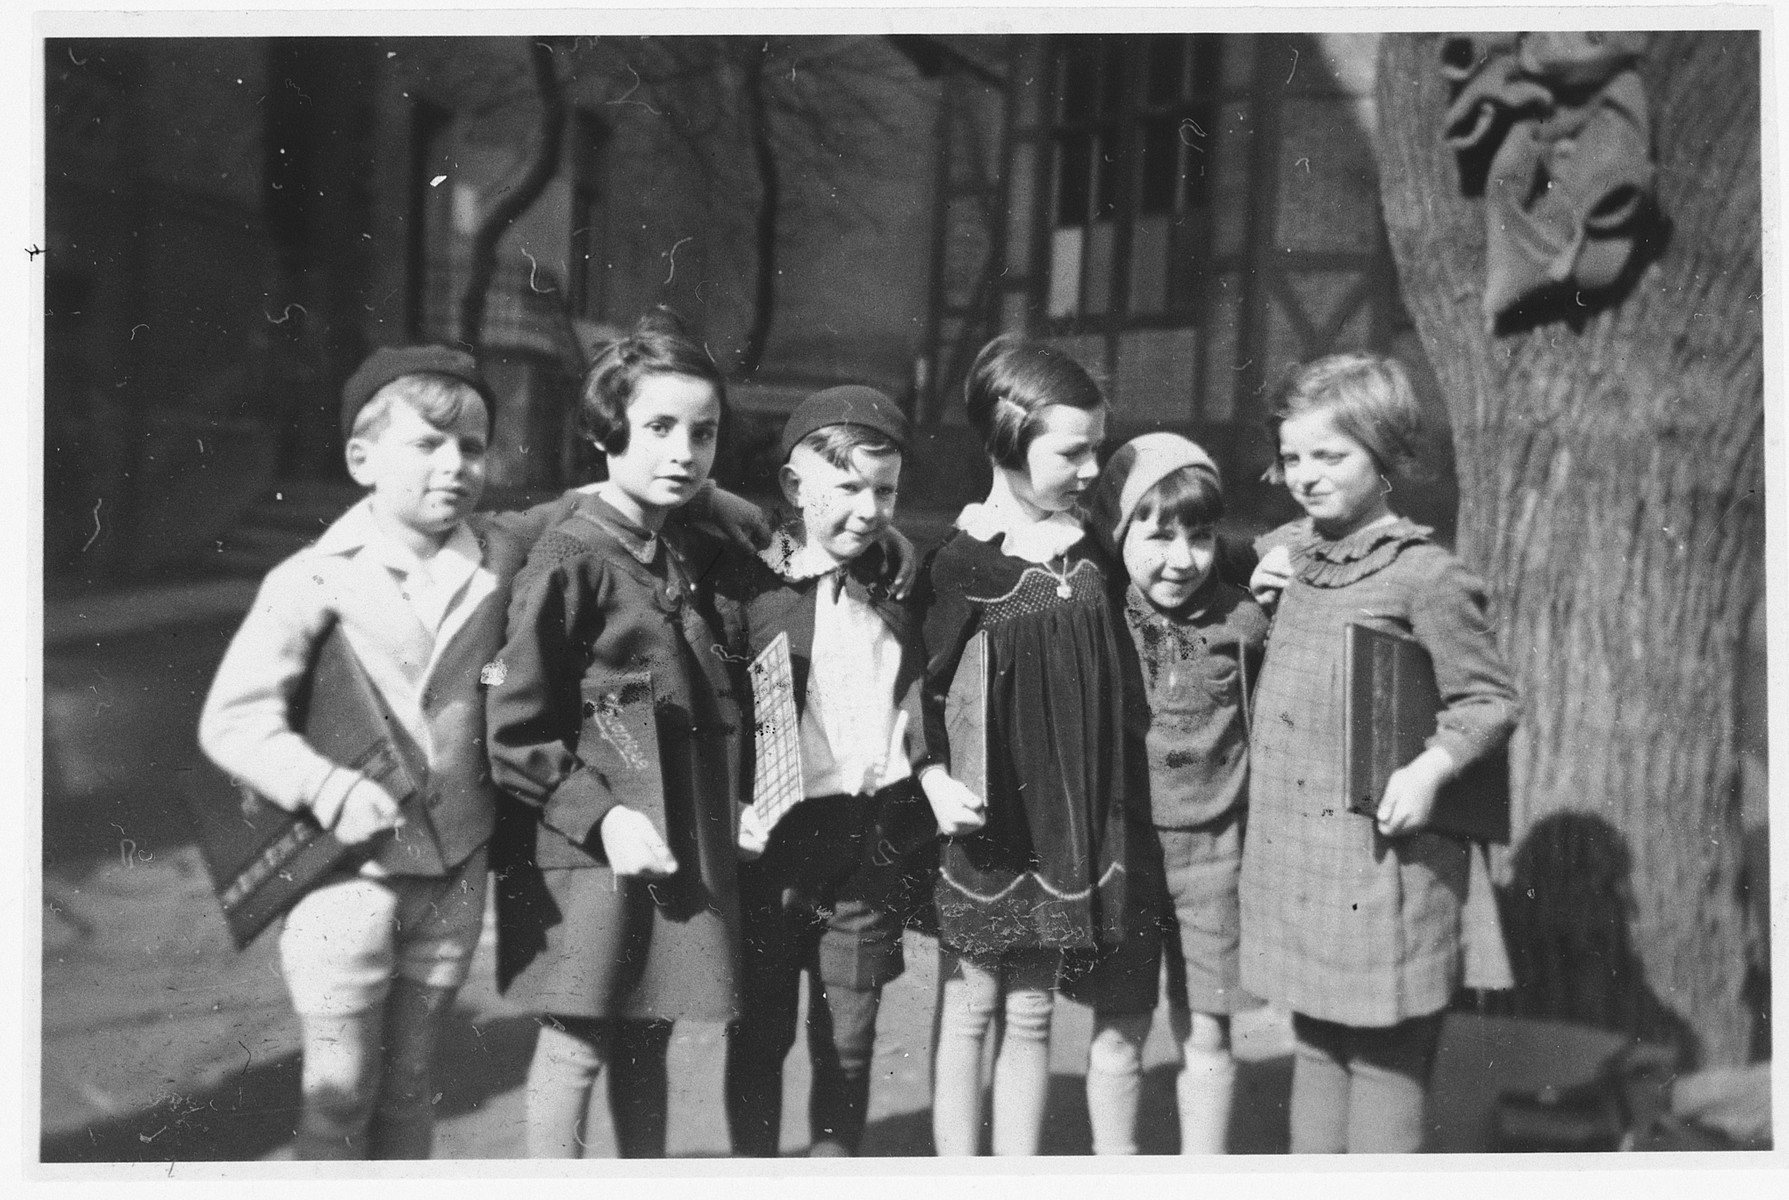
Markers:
point(358, 529)
point(1025, 537)
point(457, 559)
point(794, 558)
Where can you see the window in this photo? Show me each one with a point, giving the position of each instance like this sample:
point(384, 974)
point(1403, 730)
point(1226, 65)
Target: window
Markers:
point(1129, 138)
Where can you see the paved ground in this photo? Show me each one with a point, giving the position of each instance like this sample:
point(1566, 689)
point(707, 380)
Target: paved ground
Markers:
point(161, 1043)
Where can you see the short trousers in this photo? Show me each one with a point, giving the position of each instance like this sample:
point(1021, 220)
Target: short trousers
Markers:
point(826, 895)
point(345, 941)
point(1192, 928)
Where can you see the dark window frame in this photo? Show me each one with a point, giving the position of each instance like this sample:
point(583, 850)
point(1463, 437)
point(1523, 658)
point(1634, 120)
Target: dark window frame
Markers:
point(1107, 121)
point(589, 215)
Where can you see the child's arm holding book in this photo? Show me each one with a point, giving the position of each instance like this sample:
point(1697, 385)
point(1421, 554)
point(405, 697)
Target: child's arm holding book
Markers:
point(950, 621)
point(534, 717)
point(246, 725)
point(1448, 616)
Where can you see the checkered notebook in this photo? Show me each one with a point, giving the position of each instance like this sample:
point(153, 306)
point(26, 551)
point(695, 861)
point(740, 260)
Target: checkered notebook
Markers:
point(776, 778)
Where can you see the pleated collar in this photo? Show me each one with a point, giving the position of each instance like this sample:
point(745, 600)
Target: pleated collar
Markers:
point(1332, 563)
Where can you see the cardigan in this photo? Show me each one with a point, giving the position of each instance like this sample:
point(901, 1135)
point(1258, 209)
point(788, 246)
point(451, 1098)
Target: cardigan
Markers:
point(1188, 676)
point(600, 603)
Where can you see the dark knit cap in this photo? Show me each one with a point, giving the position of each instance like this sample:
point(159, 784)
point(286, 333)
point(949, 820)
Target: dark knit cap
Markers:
point(389, 363)
point(852, 404)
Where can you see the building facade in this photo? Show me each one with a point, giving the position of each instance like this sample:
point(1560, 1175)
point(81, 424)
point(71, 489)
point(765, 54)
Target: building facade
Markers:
point(233, 223)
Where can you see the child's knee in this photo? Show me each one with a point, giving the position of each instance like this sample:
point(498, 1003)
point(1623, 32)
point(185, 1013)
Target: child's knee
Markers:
point(570, 1050)
point(1117, 1044)
point(341, 1077)
point(851, 1013)
point(969, 1000)
point(1200, 1033)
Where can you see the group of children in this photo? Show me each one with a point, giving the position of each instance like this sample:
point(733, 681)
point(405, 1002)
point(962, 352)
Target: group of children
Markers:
point(576, 677)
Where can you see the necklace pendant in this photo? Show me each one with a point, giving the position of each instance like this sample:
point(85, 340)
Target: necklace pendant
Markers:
point(1063, 590)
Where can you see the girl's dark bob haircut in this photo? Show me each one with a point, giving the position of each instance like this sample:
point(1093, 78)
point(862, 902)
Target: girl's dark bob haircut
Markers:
point(1010, 382)
point(1189, 498)
point(658, 344)
point(1369, 398)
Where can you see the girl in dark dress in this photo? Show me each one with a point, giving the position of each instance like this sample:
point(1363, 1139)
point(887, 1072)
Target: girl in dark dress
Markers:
point(614, 724)
point(1036, 871)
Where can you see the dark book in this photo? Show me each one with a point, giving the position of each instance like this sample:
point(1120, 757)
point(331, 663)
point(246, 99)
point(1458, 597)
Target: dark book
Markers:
point(262, 857)
point(1390, 706)
point(966, 717)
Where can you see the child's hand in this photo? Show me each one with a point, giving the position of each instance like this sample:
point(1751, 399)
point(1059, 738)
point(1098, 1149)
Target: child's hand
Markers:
point(736, 518)
point(634, 847)
point(956, 809)
point(753, 836)
point(1271, 576)
point(903, 560)
point(367, 811)
point(1410, 792)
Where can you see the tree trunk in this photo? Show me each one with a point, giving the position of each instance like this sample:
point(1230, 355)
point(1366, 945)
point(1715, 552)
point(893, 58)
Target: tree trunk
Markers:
point(1611, 493)
point(769, 203)
point(513, 201)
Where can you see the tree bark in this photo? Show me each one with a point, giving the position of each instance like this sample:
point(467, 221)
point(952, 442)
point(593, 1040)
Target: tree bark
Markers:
point(542, 164)
point(1610, 471)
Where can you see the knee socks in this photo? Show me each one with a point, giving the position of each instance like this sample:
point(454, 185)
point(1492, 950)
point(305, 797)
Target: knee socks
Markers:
point(340, 1084)
point(1205, 1086)
point(841, 1044)
point(403, 1124)
point(1022, 1070)
point(967, 1000)
point(571, 1053)
point(1115, 1080)
point(1361, 1090)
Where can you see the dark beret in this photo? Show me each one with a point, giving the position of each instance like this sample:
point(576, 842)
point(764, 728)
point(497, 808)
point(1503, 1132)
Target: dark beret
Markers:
point(852, 404)
point(388, 363)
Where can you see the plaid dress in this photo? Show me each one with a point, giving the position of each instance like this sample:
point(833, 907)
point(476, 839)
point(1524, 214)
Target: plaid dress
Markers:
point(1338, 922)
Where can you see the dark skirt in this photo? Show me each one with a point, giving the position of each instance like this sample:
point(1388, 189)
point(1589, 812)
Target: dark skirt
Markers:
point(575, 939)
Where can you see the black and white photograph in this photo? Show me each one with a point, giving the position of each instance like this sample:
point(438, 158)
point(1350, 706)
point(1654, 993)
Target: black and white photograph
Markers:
point(905, 584)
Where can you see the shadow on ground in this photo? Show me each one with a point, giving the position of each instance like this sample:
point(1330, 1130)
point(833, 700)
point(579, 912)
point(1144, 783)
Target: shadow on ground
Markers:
point(253, 1115)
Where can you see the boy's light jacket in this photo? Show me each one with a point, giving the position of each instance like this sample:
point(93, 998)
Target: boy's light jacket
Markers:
point(431, 682)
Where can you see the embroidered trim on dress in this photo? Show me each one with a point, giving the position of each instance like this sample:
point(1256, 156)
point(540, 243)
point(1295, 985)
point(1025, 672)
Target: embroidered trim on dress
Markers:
point(1323, 563)
point(1042, 571)
point(1055, 893)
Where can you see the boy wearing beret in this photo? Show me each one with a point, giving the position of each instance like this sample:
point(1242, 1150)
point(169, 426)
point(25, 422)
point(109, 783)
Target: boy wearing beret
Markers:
point(825, 896)
point(373, 957)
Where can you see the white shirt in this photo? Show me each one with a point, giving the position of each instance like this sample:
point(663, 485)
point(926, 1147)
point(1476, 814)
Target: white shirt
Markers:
point(852, 735)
